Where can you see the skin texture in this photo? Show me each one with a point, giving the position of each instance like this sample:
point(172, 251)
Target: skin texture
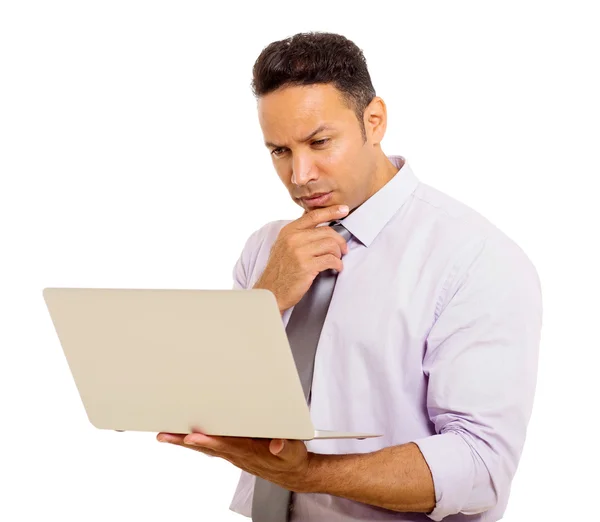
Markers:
point(338, 161)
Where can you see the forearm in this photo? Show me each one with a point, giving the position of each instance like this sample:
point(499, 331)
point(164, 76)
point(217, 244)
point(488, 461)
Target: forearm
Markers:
point(396, 478)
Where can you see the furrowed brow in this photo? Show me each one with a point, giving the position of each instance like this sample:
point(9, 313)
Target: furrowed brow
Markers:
point(321, 128)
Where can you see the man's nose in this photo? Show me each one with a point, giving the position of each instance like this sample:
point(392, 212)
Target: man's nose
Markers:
point(303, 171)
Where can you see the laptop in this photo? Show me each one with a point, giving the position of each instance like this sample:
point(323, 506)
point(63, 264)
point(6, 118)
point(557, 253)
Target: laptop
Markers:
point(179, 361)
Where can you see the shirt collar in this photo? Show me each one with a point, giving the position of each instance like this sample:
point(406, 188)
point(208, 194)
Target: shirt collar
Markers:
point(368, 220)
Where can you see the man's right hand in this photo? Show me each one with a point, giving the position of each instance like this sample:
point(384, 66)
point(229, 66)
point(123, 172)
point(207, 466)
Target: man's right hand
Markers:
point(303, 250)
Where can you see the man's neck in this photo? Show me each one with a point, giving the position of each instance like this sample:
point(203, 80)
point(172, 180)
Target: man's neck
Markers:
point(386, 170)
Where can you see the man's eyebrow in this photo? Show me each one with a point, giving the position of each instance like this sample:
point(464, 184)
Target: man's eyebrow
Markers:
point(321, 128)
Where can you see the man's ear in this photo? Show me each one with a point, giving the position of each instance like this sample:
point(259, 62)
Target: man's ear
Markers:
point(375, 119)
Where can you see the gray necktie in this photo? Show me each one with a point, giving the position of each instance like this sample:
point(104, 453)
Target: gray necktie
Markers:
point(271, 503)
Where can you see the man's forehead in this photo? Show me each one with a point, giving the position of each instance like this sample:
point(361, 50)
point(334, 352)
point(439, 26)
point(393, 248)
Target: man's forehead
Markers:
point(301, 101)
point(298, 113)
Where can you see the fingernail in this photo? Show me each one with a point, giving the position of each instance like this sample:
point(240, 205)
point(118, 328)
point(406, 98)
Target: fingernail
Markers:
point(343, 208)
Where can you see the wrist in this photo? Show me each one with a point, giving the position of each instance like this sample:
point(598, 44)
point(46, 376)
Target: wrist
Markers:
point(314, 476)
point(260, 286)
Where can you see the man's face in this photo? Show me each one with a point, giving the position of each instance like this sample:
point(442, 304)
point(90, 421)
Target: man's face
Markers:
point(317, 147)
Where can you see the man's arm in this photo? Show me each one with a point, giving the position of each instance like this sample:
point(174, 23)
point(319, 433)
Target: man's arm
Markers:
point(395, 478)
point(481, 362)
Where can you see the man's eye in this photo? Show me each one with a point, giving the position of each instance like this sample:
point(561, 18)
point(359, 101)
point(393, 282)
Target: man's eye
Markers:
point(277, 152)
point(321, 142)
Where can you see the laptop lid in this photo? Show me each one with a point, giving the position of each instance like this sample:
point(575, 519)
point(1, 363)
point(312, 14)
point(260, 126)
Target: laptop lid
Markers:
point(178, 360)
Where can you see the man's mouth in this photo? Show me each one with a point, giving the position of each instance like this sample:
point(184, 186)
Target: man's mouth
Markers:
point(316, 199)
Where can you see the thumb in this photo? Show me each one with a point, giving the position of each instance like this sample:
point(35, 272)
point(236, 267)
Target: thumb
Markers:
point(276, 447)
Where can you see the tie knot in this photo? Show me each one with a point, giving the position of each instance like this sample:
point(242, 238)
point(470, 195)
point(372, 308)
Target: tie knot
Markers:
point(340, 229)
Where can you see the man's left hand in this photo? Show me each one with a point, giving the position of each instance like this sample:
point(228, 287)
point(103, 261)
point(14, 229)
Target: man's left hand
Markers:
point(283, 462)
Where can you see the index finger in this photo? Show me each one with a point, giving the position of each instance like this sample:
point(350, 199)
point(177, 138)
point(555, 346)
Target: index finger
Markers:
point(321, 215)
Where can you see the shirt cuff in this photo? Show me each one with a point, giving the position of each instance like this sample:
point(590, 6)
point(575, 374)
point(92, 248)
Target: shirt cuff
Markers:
point(451, 463)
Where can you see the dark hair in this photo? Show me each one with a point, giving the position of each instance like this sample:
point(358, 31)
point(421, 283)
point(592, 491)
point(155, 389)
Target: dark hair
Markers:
point(313, 58)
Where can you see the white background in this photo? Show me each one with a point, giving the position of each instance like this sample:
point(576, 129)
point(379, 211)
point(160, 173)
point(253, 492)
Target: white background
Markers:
point(131, 156)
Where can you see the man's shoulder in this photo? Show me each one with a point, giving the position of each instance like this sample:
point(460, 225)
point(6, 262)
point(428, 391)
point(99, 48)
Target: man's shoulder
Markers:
point(444, 205)
point(464, 231)
point(445, 223)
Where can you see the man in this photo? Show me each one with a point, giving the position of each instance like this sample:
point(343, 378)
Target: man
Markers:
point(431, 336)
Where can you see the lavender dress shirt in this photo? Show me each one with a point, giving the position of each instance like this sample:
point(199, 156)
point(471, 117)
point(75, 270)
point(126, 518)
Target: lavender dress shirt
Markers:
point(432, 336)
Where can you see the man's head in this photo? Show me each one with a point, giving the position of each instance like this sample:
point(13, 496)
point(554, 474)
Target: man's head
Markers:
point(321, 119)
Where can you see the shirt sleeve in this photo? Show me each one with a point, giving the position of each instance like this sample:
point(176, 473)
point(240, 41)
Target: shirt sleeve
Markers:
point(240, 276)
point(242, 270)
point(481, 361)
